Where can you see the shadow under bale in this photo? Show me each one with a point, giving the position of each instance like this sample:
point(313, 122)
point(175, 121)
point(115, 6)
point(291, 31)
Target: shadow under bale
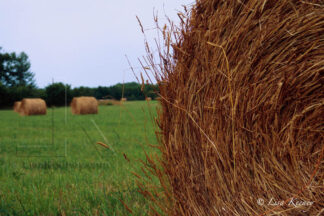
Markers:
point(242, 116)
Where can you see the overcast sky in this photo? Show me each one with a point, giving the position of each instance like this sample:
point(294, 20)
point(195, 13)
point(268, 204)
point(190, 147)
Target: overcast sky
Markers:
point(81, 42)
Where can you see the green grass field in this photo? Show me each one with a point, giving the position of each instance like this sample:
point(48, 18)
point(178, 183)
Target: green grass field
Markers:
point(51, 165)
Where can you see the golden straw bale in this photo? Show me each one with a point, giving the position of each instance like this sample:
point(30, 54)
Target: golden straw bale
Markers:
point(242, 110)
point(148, 98)
point(84, 105)
point(32, 106)
point(16, 107)
point(123, 99)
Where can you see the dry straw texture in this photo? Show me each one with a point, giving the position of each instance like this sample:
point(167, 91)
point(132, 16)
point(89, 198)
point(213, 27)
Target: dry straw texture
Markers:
point(16, 107)
point(32, 106)
point(123, 99)
point(242, 113)
point(84, 105)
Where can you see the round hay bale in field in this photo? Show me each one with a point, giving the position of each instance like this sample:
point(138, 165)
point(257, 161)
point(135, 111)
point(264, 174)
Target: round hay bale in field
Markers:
point(84, 105)
point(148, 98)
point(32, 106)
point(123, 99)
point(241, 120)
point(16, 107)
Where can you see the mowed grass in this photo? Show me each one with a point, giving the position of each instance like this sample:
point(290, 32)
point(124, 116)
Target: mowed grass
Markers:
point(68, 173)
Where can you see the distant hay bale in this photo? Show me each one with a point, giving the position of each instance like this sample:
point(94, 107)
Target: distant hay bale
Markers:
point(108, 102)
point(123, 99)
point(104, 102)
point(84, 105)
point(32, 106)
point(148, 98)
point(242, 110)
point(17, 105)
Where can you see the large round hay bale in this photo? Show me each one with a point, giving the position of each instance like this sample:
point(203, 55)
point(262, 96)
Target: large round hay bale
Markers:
point(84, 105)
point(242, 114)
point(16, 107)
point(32, 106)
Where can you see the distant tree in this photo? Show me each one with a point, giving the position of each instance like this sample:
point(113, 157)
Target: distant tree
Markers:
point(3, 95)
point(14, 70)
point(57, 94)
point(116, 91)
point(8, 95)
point(151, 91)
point(132, 91)
point(83, 91)
point(17, 93)
point(102, 92)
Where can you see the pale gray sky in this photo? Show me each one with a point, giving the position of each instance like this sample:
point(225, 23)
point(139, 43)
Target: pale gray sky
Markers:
point(81, 42)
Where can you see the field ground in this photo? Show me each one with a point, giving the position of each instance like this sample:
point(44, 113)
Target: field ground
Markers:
point(68, 173)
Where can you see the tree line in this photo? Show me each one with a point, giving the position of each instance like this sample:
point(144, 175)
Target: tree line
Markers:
point(18, 82)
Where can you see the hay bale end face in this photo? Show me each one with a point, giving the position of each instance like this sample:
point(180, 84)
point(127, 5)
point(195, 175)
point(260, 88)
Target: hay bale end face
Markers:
point(32, 106)
point(123, 99)
point(84, 105)
point(16, 107)
point(242, 109)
